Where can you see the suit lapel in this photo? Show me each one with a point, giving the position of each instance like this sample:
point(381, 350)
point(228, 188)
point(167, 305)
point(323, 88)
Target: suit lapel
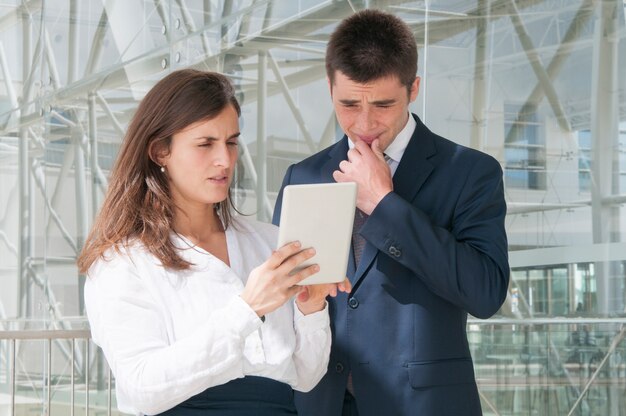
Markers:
point(336, 154)
point(415, 168)
point(412, 172)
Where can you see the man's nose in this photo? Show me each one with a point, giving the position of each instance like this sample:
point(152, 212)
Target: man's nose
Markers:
point(365, 120)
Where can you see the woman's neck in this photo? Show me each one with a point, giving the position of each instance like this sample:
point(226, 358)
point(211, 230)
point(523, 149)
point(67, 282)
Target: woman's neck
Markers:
point(203, 227)
point(199, 223)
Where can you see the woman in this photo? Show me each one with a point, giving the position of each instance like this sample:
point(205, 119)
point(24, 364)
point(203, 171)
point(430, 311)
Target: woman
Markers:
point(191, 306)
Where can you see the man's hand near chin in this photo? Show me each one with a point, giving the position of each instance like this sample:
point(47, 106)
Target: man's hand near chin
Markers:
point(366, 165)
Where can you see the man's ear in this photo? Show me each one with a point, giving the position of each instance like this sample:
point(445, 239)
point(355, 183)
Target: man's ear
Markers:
point(415, 87)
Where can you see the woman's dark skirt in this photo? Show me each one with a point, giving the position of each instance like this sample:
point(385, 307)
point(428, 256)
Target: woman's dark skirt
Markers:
point(248, 396)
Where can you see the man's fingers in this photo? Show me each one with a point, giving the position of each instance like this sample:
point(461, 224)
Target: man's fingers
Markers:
point(353, 154)
point(333, 290)
point(339, 176)
point(345, 286)
point(370, 152)
point(303, 294)
point(362, 147)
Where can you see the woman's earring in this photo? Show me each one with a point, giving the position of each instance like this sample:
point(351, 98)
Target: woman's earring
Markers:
point(163, 169)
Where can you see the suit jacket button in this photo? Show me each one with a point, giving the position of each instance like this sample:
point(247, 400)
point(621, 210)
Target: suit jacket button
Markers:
point(353, 302)
point(339, 367)
point(394, 251)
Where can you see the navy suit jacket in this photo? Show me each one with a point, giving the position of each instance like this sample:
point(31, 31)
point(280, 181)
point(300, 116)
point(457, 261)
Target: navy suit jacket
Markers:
point(436, 250)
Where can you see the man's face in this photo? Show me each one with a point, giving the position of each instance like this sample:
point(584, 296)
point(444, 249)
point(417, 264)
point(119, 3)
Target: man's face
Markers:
point(375, 110)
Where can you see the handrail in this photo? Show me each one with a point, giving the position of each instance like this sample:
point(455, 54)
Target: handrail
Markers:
point(545, 321)
point(86, 333)
point(13, 336)
point(46, 334)
point(49, 336)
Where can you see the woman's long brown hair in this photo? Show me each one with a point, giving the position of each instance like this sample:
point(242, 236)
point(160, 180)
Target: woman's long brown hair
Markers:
point(138, 203)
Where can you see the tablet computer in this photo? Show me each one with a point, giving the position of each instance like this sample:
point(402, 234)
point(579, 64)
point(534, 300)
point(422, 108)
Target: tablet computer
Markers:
point(320, 216)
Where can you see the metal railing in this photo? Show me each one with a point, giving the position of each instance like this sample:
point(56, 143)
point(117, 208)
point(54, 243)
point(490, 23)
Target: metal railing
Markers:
point(83, 336)
point(560, 365)
point(550, 366)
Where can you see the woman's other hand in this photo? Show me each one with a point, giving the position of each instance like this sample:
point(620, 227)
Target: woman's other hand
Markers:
point(312, 298)
point(271, 285)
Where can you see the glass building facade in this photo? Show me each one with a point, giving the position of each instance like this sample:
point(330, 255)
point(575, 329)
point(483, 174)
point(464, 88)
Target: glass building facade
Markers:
point(538, 84)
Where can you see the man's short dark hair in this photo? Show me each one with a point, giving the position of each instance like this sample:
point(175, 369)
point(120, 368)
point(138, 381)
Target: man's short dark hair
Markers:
point(370, 45)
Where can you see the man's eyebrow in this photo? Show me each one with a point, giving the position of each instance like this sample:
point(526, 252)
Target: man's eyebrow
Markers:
point(384, 102)
point(389, 101)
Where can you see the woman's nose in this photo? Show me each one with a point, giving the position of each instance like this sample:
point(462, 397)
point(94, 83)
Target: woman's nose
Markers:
point(222, 156)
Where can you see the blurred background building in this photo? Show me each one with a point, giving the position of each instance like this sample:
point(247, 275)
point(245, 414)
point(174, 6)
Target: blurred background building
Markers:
point(538, 84)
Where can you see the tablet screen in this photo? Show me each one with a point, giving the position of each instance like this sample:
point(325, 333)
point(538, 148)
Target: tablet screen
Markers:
point(320, 216)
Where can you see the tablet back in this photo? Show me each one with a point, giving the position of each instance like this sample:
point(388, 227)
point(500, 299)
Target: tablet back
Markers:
point(320, 216)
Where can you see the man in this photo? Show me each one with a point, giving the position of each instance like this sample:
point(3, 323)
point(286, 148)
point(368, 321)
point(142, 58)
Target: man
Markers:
point(430, 220)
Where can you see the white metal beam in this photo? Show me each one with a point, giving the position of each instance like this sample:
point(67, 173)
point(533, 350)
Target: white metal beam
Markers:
point(583, 253)
point(8, 79)
point(291, 103)
point(132, 40)
point(191, 26)
point(538, 68)
point(95, 52)
point(605, 141)
point(93, 155)
point(479, 96)
point(73, 41)
point(39, 180)
point(261, 141)
point(567, 45)
point(50, 61)
point(26, 210)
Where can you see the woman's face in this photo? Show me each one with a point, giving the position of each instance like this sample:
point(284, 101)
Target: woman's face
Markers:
point(202, 159)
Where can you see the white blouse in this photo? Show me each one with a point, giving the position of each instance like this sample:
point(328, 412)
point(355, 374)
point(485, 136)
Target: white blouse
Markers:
point(169, 335)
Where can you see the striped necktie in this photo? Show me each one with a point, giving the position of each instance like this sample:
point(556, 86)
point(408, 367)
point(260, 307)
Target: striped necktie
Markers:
point(358, 242)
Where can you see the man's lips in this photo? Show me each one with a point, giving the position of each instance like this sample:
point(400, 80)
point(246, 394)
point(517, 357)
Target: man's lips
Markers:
point(369, 139)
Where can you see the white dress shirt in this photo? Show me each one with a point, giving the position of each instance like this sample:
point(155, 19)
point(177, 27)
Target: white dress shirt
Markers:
point(169, 335)
point(396, 148)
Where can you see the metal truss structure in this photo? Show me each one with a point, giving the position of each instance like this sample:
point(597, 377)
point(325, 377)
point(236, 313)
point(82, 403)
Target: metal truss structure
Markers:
point(86, 64)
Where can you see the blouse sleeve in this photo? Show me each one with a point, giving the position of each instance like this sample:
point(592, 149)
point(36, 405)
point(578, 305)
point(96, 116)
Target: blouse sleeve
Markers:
point(312, 353)
point(153, 374)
